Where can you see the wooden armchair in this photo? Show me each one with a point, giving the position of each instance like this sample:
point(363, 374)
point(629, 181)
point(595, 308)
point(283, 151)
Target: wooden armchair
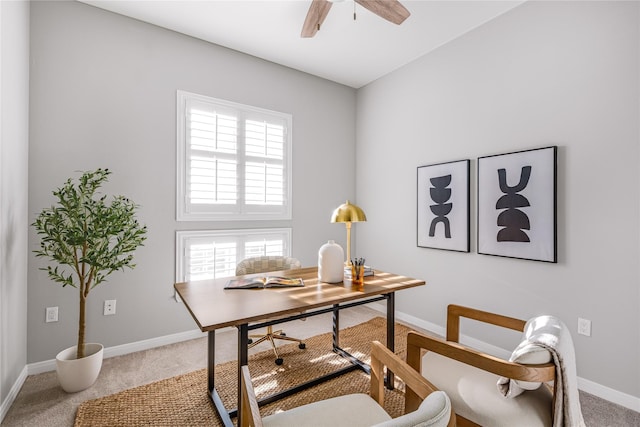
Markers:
point(470, 377)
point(427, 407)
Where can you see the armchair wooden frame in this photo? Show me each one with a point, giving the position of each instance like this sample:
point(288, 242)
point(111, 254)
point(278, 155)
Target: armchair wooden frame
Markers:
point(417, 344)
point(380, 357)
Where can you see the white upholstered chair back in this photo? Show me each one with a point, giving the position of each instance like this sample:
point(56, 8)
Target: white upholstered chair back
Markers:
point(263, 264)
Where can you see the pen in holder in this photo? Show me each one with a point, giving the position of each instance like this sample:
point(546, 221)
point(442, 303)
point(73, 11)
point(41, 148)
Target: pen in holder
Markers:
point(357, 272)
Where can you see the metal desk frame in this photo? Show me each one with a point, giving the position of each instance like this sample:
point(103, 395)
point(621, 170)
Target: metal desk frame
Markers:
point(243, 358)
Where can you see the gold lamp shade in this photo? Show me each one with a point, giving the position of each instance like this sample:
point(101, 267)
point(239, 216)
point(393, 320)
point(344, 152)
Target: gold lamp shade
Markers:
point(348, 213)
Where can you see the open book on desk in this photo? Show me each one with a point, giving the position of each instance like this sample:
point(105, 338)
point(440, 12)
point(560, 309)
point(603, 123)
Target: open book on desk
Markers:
point(264, 282)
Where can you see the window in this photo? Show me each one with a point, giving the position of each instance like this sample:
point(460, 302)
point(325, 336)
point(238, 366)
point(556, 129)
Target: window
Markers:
point(204, 255)
point(234, 161)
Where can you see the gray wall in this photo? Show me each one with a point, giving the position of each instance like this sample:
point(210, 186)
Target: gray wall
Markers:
point(546, 73)
point(103, 94)
point(14, 143)
point(103, 90)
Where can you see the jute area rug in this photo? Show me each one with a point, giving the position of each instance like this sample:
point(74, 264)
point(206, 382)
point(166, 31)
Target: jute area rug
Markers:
point(183, 400)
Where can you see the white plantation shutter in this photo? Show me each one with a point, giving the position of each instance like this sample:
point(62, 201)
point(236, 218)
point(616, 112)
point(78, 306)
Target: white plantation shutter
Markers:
point(211, 146)
point(234, 161)
point(205, 255)
point(271, 246)
point(264, 168)
point(208, 259)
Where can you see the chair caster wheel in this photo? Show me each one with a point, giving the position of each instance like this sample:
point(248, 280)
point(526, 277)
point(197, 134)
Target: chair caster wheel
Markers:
point(283, 334)
point(249, 341)
point(302, 346)
point(279, 361)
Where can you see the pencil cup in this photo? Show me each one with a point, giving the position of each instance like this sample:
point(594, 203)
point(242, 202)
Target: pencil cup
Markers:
point(357, 275)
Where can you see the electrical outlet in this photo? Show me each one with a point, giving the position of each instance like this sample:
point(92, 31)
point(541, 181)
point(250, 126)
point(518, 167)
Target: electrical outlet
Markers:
point(109, 307)
point(584, 327)
point(52, 314)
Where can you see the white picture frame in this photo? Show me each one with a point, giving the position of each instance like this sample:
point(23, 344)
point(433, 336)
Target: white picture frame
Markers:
point(517, 206)
point(443, 206)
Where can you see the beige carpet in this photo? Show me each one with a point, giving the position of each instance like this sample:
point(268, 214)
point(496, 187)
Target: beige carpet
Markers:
point(183, 400)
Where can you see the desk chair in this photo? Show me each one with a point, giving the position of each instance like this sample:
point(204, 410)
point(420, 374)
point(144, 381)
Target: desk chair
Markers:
point(264, 264)
point(492, 392)
point(359, 410)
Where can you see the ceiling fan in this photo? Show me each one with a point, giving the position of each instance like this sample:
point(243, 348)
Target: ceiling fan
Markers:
point(391, 10)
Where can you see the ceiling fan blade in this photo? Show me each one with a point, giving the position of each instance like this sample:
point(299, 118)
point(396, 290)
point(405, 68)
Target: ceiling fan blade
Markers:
point(391, 10)
point(315, 17)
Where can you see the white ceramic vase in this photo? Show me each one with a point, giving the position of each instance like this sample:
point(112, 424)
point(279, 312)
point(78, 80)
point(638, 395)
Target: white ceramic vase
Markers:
point(331, 263)
point(79, 374)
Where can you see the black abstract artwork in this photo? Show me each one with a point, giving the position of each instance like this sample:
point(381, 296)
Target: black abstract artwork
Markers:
point(443, 206)
point(517, 204)
point(513, 219)
point(440, 194)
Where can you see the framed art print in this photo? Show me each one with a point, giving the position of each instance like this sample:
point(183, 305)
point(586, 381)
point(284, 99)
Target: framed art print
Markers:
point(517, 204)
point(443, 206)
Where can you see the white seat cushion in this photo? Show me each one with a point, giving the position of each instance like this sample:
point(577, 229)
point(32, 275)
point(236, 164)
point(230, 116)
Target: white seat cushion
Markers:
point(474, 395)
point(354, 410)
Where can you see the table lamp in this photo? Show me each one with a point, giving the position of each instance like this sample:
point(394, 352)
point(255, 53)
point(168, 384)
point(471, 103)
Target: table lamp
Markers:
point(348, 213)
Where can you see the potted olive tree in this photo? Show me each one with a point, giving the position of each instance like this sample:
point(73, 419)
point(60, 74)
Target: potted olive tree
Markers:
point(86, 238)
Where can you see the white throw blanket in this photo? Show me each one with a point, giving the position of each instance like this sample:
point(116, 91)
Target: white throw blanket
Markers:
point(550, 333)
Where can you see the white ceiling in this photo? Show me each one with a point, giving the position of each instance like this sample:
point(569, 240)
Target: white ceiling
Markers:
point(350, 52)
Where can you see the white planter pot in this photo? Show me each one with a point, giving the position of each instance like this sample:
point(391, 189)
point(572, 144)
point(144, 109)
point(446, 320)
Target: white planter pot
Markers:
point(79, 374)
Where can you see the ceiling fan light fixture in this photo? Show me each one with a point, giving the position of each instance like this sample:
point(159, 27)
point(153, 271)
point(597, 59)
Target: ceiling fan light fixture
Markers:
point(391, 10)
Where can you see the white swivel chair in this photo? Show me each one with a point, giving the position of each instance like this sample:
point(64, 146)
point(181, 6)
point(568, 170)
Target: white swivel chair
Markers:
point(264, 264)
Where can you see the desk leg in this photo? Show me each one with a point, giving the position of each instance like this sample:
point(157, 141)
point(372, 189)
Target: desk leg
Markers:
point(211, 384)
point(243, 360)
point(336, 326)
point(391, 333)
point(211, 360)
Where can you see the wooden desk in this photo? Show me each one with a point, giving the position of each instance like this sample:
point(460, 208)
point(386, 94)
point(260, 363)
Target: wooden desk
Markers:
point(214, 307)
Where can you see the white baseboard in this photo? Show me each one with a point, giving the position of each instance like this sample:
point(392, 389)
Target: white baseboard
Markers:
point(119, 350)
point(603, 392)
point(606, 393)
point(13, 393)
